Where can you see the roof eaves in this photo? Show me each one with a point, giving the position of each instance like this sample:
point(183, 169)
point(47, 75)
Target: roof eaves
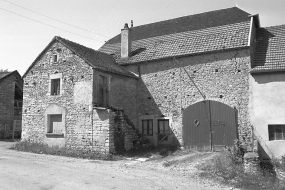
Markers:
point(185, 55)
point(262, 71)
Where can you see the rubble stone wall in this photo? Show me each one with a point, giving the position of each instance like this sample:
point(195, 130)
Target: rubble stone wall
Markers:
point(84, 128)
point(165, 88)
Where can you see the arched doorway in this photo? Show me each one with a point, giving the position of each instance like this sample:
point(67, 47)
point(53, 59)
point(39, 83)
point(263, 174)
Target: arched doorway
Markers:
point(209, 125)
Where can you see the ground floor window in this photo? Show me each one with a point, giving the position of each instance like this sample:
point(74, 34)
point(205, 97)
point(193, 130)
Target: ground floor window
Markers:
point(276, 132)
point(55, 124)
point(163, 129)
point(147, 127)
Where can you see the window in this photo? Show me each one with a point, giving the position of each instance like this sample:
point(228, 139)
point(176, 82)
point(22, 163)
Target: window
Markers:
point(54, 58)
point(55, 87)
point(163, 129)
point(147, 127)
point(55, 124)
point(276, 132)
point(103, 91)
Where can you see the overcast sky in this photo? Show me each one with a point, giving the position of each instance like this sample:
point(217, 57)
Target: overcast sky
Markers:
point(22, 39)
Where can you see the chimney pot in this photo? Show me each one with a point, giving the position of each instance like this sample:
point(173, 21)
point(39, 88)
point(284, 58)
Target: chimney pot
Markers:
point(126, 26)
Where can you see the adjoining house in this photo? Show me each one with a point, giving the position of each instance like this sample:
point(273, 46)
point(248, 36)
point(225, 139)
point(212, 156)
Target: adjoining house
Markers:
point(193, 77)
point(74, 97)
point(11, 98)
point(267, 86)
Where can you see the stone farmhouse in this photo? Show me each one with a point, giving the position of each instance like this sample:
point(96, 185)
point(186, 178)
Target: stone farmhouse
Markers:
point(190, 81)
point(11, 98)
point(60, 89)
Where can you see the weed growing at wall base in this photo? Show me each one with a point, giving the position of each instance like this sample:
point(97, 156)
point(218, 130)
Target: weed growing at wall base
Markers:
point(224, 169)
point(41, 148)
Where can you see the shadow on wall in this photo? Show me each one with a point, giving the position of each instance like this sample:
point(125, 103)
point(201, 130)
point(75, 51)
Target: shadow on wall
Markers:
point(149, 109)
point(273, 77)
point(262, 41)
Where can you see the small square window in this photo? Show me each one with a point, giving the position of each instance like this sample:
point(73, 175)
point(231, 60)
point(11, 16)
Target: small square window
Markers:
point(147, 127)
point(55, 86)
point(55, 124)
point(276, 132)
point(55, 58)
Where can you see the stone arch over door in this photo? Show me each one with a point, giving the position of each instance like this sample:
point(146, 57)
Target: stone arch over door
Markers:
point(209, 125)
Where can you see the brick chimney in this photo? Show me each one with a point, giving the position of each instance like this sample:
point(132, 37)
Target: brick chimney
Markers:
point(125, 41)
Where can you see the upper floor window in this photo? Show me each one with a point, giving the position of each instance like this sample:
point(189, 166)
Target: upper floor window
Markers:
point(147, 127)
point(103, 91)
point(276, 132)
point(55, 86)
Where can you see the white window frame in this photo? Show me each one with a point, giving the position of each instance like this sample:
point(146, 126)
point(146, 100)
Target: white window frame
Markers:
point(55, 76)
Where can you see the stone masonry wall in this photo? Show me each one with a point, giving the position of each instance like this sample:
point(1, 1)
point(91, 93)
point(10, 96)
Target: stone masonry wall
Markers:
point(123, 95)
point(84, 128)
point(166, 89)
point(7, 92)
point(75, 74)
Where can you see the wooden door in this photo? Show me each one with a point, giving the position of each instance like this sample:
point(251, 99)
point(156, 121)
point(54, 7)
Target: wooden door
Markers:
point(209, 125)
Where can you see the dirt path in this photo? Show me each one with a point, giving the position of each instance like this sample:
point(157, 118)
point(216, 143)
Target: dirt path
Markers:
point(21, 170)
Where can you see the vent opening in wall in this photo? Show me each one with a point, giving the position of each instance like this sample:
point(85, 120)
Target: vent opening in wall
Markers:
point(239, 71)
point(221, 96)
point(149, 98)
point(216, 70)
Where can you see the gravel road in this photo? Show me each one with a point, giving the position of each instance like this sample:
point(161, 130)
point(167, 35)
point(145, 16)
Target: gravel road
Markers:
point(22, 170)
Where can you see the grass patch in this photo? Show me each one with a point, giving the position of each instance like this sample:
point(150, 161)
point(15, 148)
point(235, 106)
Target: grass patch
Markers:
point(41, 148)
point(225, 169)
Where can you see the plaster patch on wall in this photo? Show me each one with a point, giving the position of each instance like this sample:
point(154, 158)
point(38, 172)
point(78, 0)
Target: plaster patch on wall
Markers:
point(83, 93)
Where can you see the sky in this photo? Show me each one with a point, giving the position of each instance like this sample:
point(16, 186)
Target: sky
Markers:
point(24, 34)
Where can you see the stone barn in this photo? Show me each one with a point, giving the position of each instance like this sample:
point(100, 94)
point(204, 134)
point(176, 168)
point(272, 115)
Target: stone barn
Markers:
point(193, 77)
point(11, 98)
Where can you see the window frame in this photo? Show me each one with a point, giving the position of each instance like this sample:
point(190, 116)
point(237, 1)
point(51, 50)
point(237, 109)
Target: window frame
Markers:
point(165, 132)
point(55, 87)
point(272, 132)
point(55, 58)
point(50, 129)
point(149, 132)
point(53, 77)
point(106, 90)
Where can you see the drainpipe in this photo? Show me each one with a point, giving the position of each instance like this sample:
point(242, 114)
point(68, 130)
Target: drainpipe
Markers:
point(91, 117)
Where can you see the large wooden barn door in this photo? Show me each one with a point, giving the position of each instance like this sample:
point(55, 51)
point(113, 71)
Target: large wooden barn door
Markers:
point(209, 125)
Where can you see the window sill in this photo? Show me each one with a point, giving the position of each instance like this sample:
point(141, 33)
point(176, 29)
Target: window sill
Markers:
point(100, 108)
point(54, 135)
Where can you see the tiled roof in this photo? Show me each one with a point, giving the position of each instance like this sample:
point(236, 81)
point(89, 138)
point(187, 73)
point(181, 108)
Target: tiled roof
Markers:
point(269, 49)
point(184, 43)
point(186, 23)
point(96, 59)
point(4, 73)
point(7, 74)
